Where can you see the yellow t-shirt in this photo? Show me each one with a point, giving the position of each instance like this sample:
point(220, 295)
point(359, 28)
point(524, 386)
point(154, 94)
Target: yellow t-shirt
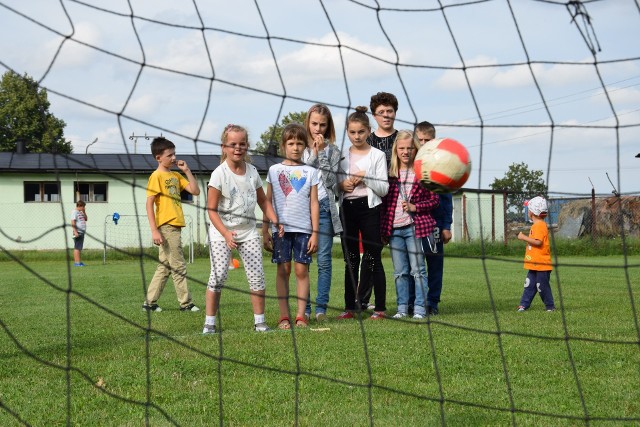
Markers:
point(167, 186)
point(538, 258)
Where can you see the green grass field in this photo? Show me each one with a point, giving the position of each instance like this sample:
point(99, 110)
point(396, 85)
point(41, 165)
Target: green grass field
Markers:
point(77, 348)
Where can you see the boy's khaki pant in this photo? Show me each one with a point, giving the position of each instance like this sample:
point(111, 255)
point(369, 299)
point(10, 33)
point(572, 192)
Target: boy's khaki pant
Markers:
point(171, 263)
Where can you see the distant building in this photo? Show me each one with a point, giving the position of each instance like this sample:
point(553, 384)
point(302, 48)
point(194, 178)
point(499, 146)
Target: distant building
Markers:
point(39, 192)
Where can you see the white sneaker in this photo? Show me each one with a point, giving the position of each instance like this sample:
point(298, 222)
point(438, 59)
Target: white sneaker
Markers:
point(190, 307)
point(418, 316)
point(399, 315)
point(261, 327)
point(209, 330)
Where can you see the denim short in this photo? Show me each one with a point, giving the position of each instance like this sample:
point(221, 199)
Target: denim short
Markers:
point(78, 242)
point(282, 247)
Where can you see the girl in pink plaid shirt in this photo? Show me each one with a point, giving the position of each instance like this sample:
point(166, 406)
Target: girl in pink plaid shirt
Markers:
point(405, 220)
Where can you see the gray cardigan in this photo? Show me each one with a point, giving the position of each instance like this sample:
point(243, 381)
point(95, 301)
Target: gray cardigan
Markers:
point(327, 163)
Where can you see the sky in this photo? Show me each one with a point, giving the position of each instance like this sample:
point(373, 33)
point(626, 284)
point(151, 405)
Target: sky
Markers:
point(514, 81)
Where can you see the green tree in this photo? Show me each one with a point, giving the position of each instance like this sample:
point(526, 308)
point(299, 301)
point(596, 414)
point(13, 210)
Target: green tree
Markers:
point(24, 115)
point(271, 137)
point(520, 184)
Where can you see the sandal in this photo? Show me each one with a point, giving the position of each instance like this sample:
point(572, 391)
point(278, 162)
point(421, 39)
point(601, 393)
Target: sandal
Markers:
point(284, 323)
point(301, 322)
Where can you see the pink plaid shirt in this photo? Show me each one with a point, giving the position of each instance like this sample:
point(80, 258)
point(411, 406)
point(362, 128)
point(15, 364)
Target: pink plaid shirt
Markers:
point(424, 200)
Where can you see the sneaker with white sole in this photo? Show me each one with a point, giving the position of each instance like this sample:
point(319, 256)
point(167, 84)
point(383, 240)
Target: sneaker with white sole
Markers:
point(261, 327)
point(151, 307)
point(399, 315)
point(190, 307)
point(418, 316)
point(209, 330)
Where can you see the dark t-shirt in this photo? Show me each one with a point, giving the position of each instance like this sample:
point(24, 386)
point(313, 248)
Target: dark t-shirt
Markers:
point(383, 143)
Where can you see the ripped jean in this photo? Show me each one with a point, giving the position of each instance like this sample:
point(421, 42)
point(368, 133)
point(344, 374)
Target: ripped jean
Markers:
point(408, 261)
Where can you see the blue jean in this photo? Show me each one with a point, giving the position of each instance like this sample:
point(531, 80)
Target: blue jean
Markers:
point(434, 255)
point(323, 258)
point(408, 262)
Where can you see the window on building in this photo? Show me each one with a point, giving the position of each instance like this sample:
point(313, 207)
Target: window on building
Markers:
point(90, 191)
point(43, 191)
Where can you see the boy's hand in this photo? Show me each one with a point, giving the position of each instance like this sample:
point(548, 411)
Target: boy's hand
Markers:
point(182, 165)
point(312, 246)
point(157, 238)
point(280, 230)
point(446, 235)
point(521, 236)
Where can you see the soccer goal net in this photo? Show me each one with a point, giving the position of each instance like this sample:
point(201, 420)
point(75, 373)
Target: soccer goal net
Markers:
point(130, 235)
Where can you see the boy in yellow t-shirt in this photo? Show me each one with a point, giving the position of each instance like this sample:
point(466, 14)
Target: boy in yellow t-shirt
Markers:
point(164, 210)
point(537, 258)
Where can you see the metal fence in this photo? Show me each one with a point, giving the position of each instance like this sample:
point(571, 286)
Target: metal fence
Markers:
point(132, 234)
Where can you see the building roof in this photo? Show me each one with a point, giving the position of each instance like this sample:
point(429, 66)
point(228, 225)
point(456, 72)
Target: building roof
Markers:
point(112, 163)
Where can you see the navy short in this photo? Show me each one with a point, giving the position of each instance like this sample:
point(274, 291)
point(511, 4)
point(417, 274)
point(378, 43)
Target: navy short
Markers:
point(283, 246)
point(78, 242)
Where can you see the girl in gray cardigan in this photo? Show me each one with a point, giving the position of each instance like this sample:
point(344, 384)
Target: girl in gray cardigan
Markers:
point(323, 154)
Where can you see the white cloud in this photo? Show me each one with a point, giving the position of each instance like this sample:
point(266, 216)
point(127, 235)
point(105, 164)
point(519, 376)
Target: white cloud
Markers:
point(74, 54)
point(488, 74)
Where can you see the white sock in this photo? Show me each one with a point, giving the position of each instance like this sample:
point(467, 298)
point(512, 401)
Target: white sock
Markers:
point(258, 318)
point(210, 320)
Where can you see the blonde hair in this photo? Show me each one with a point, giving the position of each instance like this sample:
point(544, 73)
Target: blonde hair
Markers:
point(395, 163)
point(323, 110)
point(234, 128)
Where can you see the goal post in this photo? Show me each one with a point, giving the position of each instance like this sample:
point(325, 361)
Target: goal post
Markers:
point(130, 235)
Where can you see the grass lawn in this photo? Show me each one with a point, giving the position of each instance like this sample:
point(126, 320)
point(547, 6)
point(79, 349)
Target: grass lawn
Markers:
point(75, 347)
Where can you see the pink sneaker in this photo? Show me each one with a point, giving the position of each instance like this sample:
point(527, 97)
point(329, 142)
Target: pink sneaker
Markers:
point(378, 315)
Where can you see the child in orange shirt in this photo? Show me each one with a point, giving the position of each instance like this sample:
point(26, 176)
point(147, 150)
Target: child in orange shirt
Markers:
point(537, 258)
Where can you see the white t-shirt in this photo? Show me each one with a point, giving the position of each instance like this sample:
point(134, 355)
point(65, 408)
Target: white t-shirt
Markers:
point(80, 219)
point(290, 193)
point(237, 205)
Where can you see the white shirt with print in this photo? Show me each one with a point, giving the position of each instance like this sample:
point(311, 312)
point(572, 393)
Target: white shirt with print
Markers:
point(291, 192)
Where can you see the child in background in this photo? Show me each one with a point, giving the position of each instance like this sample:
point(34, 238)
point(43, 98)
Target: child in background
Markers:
point(433, 245)
point(292, 188)
point(166, 219)
point(537, 258)
point(234, 190)
point(406, 219)
point(79, 226)
point(384, 107)
point(363, 180)
point(322, 153)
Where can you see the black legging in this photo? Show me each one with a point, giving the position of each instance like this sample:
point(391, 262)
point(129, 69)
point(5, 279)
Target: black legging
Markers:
point(357, 218)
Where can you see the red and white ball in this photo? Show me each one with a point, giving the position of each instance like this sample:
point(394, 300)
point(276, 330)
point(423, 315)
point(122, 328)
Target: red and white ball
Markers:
point(442, 165)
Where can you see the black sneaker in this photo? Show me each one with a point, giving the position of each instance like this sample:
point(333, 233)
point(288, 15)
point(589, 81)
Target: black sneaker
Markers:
point(151, 307)
point(432, 311)
point(190, 307)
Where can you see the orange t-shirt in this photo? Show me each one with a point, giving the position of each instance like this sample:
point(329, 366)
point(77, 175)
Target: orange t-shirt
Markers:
point(538, 258)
